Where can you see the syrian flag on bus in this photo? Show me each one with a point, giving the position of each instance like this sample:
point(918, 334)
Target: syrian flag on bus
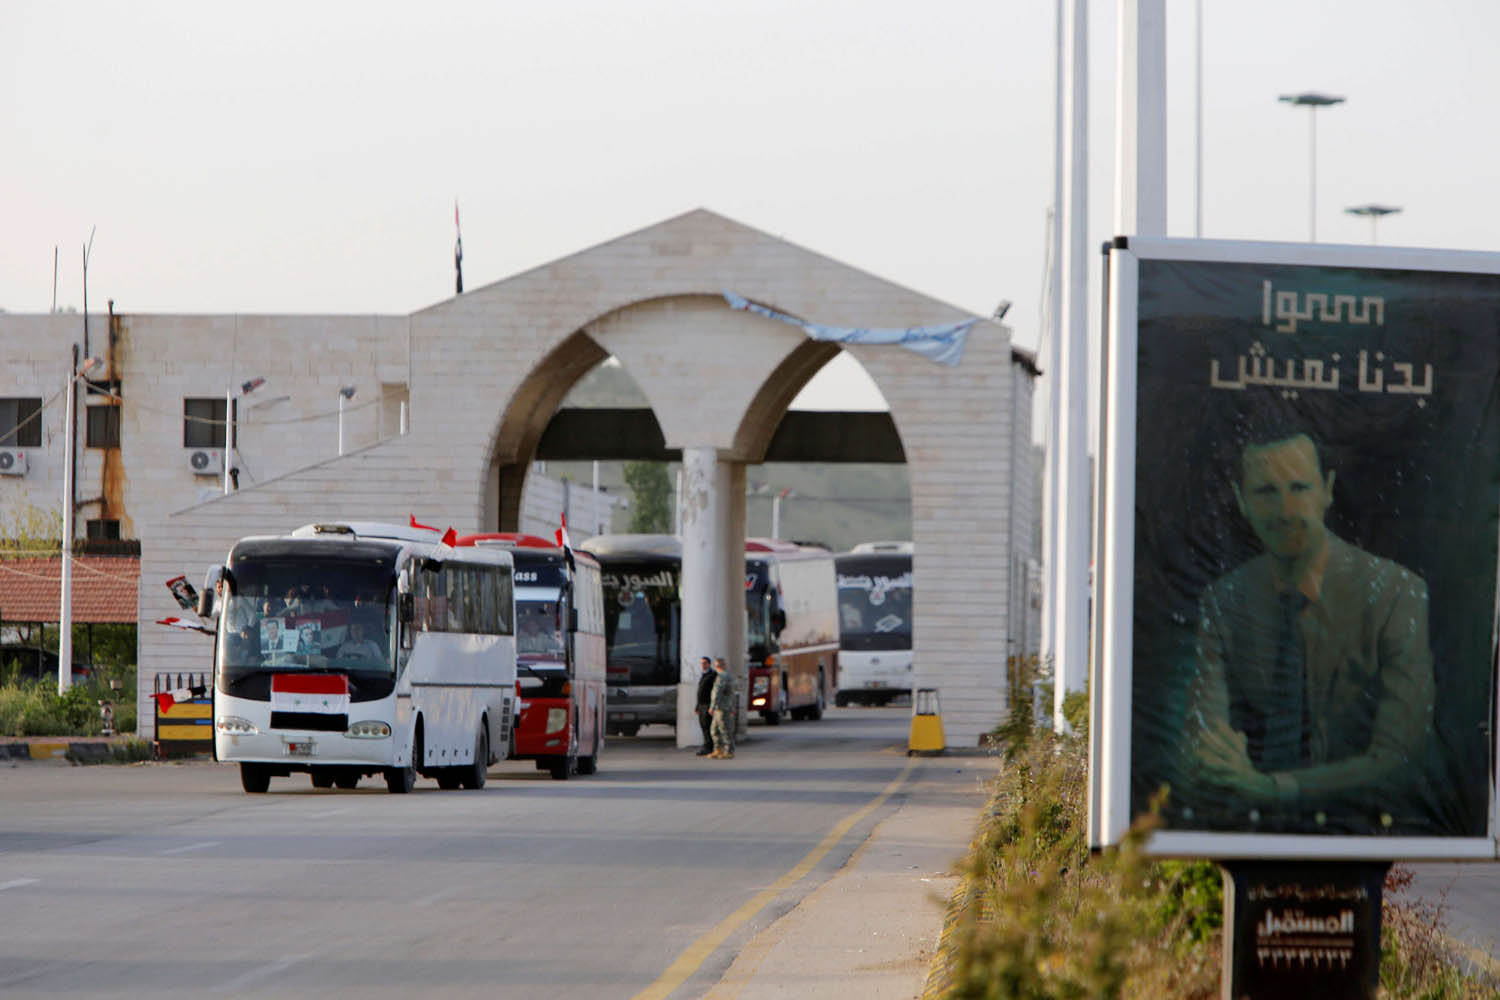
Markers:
point(197, 626)
point(324, 693)
point(566, 543)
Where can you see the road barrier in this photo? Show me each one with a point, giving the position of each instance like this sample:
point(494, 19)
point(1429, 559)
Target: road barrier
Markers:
point(926, 724)
point(183, 726)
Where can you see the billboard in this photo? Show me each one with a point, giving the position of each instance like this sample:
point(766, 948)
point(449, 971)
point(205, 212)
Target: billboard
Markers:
point(1298, 545)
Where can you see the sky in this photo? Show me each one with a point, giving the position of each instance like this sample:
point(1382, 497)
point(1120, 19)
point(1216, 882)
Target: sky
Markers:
point(305, 157)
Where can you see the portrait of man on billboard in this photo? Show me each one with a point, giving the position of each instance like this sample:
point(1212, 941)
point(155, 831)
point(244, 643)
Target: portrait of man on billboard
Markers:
point(1314, 555)
point(1312, 667)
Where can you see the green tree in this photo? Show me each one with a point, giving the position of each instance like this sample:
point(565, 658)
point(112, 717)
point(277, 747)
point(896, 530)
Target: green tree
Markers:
point(650, 496)
point(28, 530)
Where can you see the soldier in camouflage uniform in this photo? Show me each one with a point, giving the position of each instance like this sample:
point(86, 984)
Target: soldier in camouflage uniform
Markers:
point(725, 704)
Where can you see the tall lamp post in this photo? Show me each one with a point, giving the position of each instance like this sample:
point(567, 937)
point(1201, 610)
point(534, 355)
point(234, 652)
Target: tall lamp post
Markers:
point(1312, 101)
point(1373, 212)
point(65, 612)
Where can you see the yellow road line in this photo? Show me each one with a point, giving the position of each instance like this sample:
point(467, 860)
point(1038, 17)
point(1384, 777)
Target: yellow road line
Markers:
point(698, 952)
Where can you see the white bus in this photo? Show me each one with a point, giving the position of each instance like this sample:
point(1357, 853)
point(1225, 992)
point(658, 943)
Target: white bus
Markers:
point(875, 595)
point(354, 649)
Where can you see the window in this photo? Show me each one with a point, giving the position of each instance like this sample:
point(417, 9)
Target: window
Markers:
point(103, 427)
point(104, 528)
point(21, 422)
point(203, 422)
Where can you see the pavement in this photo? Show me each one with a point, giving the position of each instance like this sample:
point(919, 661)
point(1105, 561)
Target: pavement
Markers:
point(871, 930)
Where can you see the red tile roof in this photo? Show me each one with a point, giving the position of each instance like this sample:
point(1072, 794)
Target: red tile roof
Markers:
point(105, 589)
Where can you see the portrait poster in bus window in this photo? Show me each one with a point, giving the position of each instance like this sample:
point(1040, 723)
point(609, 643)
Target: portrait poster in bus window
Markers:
point(1317, 474)
point(277, 635)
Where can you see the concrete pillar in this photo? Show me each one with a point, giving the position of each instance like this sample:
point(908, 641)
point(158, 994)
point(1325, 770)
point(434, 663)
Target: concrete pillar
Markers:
point(713, 575)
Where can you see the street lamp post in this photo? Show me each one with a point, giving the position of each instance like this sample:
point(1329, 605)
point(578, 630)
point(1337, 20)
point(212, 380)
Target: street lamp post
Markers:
point(1312, 101)
point(1374, 212)
point(345, 393)
point(65, 611)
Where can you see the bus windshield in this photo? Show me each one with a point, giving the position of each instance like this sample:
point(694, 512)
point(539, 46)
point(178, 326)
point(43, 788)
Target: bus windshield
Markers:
point(760, 639)
point(293, 613)
point(874, 610)
point(539, 630)
point(641, 624)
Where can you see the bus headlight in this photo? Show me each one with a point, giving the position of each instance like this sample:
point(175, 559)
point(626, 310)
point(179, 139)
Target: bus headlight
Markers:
point(557, 718)
point(234, 724)
point(369, 729)
point(761, 686)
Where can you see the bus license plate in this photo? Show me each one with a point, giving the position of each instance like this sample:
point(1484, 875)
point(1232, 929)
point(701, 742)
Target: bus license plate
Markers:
point(301, 748)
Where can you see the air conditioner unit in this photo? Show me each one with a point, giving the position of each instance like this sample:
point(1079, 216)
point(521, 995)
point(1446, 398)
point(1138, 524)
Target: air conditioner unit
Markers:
point(12, 463)
point(205, 462)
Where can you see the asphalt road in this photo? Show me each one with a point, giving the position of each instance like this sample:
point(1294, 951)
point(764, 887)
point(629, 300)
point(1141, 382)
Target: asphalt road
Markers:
point(167, 880)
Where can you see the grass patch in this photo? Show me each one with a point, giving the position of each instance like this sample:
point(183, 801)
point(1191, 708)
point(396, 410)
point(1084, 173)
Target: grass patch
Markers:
point(130, 751)
point(1038, 917)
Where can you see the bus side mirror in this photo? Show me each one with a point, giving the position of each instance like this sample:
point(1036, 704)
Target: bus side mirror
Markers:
point(211, 584)
point(778, 621)
point(572, 619)
point(406, 608)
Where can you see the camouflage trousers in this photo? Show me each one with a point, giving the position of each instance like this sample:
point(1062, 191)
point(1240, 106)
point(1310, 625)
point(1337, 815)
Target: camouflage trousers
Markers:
point(722, 729)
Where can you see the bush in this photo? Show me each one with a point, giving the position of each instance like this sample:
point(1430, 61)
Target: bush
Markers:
point(1038, 916)
point(34, 708)
point(1047, 919)
point(1417, 960)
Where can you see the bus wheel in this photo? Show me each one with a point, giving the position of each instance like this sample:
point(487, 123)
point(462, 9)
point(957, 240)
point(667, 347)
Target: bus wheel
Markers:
point(563, 767)
point(473, 776)
point(773, 716)
point(840, 700)
point(590, 764)
point(816, 711)
point(449, 779)
point(400, 780)
point(629, 729)
point(347, 779)
point(254, 778)
point(322, 778)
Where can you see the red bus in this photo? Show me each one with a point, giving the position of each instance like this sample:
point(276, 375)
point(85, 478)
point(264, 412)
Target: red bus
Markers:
point(792, 629)
point(559, 628)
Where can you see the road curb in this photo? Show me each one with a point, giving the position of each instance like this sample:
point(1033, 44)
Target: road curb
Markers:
point(75, 750)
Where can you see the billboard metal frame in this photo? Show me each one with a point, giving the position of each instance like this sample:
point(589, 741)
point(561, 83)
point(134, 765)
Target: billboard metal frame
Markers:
point(1113, 586)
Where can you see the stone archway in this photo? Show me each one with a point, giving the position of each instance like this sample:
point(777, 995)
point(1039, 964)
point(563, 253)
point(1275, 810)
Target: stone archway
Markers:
point(488, 369)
